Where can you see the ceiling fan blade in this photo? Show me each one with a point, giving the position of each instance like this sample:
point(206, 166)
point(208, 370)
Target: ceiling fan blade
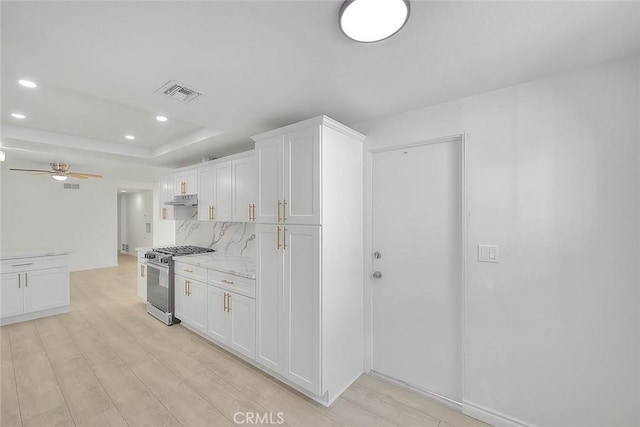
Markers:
point(30, 170)
point(85, 175)
point(43, 173)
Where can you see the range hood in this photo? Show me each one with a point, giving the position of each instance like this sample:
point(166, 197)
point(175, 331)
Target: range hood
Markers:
point(184, 200)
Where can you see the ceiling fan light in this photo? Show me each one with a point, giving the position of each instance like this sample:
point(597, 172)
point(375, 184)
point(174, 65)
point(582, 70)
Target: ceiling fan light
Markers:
point(2, 156)
point(59, 177)
point(369, 21)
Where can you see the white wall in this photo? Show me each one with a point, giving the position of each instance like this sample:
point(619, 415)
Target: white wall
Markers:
point(552, 178)
point(136, 210)
point(37, 213)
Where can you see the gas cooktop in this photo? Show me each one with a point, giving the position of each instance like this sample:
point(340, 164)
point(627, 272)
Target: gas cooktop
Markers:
point(182, 250)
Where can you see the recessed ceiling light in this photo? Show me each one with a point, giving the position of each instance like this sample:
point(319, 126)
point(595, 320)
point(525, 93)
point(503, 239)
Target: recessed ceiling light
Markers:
point(370, 21)
point(28, 83)
point(161, 118)
point(123, 191)
point(130, 137)
point(18, 116)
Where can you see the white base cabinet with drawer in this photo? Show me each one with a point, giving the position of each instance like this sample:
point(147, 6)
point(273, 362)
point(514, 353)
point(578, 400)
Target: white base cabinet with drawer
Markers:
point(191, 302)
point(33, 287)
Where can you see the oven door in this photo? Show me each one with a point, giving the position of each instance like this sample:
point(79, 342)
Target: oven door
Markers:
point(158, 286)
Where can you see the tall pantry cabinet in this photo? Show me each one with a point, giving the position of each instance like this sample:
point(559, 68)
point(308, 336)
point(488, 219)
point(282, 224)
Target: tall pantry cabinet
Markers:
point(309, 260)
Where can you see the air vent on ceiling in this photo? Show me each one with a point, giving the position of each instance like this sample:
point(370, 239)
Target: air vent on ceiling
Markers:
point(178, 91)
point(68, 186)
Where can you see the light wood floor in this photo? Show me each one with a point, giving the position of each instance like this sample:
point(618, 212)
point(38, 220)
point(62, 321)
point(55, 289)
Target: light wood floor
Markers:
point(107, 362)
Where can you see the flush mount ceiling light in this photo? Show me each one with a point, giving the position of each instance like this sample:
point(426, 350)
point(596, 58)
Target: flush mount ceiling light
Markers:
point(59, 177)
point(28, 83)
point(161, 118)
point(130, 137)
point(369, 21)
point(18, 116)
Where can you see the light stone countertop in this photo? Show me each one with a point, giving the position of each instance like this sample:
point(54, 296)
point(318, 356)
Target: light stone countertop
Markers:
point(232, 264)
point(34, 253)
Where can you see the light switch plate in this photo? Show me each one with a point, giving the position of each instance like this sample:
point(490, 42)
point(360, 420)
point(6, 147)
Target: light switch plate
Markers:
point(488, 253)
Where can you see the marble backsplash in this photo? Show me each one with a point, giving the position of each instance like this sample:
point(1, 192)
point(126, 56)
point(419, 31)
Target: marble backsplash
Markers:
point(235, 238)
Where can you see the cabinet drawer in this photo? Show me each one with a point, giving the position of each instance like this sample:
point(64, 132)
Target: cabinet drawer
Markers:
point(191, 271)
point(28, 264)
point(240, 285)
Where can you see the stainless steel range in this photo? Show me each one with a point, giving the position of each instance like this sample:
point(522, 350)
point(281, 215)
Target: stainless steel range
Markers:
point(160, 279)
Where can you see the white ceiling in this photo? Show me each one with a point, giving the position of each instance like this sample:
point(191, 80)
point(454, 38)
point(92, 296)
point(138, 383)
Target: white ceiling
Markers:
point(265, 64)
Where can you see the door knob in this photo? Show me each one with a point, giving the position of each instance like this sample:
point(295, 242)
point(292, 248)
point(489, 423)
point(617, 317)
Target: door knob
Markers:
point(377, 275)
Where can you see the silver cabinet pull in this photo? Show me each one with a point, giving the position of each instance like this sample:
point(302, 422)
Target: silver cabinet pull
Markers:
point(20, 265)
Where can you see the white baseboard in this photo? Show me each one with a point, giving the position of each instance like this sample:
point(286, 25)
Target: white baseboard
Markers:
point(492, 417)
point(431, 395)
point(35, 315)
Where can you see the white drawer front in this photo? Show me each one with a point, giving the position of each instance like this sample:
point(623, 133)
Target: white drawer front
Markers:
point(240, 285)
point(28, 264)
point(191, 271)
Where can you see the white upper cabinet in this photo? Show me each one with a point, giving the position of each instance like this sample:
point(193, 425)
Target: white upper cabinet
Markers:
point(270, 160)
point(301, 198)
point(243, 185)
point(186, 182)
point(222, 191)
point(205, 194)
point(226, 190)
point(166, 195)
point(289, 177)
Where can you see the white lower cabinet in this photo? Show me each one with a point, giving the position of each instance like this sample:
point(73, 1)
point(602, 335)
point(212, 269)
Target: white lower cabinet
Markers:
point(33, 287)
point(45, 289)
point(142, 277)
point(288, 294)
point(218, 319)
point(191, 302)
point(12, 295)
point(232, 320)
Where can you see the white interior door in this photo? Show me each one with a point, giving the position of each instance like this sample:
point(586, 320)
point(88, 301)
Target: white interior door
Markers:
point(417, 229)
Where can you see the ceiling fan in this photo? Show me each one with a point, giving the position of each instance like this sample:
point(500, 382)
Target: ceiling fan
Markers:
point(59, 172)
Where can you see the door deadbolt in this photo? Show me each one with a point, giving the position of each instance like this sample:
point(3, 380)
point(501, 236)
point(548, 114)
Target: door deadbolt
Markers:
point(377, 275)
point(377, 255)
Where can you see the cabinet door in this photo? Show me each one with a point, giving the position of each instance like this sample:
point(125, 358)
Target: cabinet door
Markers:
point(11, 294)
point(205, 193)
point(191, 181)
point(181, 300)
point(142, 280)
point(186, 182)
point(222, 192)
point(270, 159)
point(218, 326)
point(243, 184)
point(242, 313)
point(44, 289)
point(302, 177)
point(269, 259)
point(198, 304)
point(166, 194)
point(302, 306)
